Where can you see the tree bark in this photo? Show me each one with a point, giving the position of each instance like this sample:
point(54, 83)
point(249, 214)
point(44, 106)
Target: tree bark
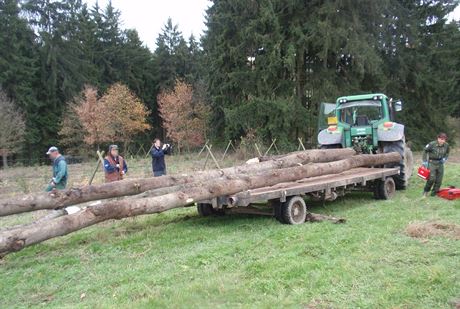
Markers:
point(5, 160)
point(17, 239)
point(62, 198)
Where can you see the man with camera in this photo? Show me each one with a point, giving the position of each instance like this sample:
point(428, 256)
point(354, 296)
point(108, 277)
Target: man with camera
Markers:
point(158, 153)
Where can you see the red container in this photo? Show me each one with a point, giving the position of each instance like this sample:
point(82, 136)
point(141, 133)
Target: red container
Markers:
point(450, 193)
point(423, 173)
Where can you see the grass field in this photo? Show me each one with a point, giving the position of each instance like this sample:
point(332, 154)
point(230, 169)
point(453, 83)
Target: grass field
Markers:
point(177, 259)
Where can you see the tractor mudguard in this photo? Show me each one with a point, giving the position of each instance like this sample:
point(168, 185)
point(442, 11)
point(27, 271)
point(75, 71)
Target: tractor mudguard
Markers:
point(329, 138)
point(391, 134)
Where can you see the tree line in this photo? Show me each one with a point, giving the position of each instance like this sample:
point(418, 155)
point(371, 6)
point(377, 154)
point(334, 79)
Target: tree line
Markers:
point(262, 67)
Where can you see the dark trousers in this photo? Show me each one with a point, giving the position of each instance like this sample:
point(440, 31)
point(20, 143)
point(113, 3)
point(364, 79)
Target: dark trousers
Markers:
point(158, 173)
point(436, 174)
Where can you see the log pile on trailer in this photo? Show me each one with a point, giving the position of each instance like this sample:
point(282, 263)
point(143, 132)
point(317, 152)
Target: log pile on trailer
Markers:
point(136, 197)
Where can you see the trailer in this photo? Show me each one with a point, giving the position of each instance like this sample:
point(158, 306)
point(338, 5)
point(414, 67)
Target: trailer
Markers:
point(286, 201)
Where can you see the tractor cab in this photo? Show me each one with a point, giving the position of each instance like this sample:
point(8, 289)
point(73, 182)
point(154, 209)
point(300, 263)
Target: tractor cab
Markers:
point(367, 123)
point(355, 121)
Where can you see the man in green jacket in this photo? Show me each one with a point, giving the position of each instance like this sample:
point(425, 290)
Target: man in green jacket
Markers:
point(59, 180)
point(435, 155)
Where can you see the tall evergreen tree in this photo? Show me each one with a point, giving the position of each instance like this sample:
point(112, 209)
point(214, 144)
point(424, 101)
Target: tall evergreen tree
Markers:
point(19, 66)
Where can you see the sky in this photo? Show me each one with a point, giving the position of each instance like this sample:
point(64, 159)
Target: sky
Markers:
point(149, 16)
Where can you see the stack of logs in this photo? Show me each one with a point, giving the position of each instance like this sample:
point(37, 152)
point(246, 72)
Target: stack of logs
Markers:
point(134, 197)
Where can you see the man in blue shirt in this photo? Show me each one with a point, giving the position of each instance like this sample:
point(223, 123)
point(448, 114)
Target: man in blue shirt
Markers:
point(158, 153)
point(60, 174)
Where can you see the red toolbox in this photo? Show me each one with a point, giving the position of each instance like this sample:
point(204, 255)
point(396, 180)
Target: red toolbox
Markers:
point(423, 172)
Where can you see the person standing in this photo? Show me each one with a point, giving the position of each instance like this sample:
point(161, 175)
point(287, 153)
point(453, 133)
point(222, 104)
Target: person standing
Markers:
point(60, 173)
point(158, 153)
point(435, 156)
point(115, 166)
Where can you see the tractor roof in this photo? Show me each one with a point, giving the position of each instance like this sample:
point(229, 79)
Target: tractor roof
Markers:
point(369, 96)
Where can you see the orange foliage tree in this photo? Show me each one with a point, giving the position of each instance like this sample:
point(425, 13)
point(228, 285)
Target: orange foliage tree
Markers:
point(184, 115)
point(116, 117)
point(128, 115)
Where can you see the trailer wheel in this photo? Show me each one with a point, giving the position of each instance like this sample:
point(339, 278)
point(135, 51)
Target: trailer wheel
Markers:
point(206, 210)
point(294, 210)
point(386, 188)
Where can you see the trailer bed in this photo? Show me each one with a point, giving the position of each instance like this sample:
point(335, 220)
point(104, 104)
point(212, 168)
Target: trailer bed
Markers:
point(356, 176)
point(285, 201)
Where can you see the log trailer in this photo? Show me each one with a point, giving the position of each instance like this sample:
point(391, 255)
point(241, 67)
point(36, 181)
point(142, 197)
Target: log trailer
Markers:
point(286, 201)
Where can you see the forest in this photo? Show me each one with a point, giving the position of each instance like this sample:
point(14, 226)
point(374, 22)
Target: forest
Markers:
point(260, 69)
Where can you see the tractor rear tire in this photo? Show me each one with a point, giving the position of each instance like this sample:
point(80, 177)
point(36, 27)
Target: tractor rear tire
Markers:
point(405, 165)
point(294, 210)
point(333, 146)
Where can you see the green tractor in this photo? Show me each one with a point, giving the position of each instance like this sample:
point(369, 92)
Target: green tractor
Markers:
point(366, 123)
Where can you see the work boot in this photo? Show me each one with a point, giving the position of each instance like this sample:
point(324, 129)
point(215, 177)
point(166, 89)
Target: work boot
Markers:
point(433, 193)
point(425, 194)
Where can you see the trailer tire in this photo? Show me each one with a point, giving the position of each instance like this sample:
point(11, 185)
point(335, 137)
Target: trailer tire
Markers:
point(386, 188)
point(206, 210)
point(294, 210)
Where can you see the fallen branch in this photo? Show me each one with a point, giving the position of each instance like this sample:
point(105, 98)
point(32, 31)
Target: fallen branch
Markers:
point(312, 217)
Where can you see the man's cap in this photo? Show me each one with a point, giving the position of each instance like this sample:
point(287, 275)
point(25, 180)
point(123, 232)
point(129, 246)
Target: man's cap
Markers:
point(52, 149)
point(442, 135)
point(113, 147)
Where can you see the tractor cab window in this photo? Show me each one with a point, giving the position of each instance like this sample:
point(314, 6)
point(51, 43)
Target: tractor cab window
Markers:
point(360, 113)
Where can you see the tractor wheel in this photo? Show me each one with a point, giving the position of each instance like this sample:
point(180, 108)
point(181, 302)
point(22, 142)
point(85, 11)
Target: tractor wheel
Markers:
point(385, 190)
point(333, 146)
point(294, 210)
point(206, 210)
point(405, 165)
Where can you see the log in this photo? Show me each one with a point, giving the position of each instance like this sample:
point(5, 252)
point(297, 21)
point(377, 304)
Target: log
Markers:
point(312, 217)
point(62, 198)
point(15, 240)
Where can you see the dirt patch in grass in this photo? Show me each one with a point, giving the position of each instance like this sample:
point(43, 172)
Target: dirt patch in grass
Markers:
point(455, 303)
point(429, 229)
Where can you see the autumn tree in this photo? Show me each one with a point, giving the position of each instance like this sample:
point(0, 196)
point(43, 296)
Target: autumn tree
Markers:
point(71, 133)
point(115, 117)
point(184, 115)
point(93, 117)
point(12, 128)
point(125, 114)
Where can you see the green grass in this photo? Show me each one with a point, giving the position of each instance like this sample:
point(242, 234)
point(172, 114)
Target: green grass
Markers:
point(177, 259)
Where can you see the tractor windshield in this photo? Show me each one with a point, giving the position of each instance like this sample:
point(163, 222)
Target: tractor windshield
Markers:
point(360, 113)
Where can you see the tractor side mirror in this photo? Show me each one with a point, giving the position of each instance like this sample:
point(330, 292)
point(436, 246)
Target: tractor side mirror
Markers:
point(398, 105)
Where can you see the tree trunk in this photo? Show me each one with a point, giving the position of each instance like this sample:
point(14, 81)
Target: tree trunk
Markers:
point(73, 196)
point(5, 160)
point(17, 239)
